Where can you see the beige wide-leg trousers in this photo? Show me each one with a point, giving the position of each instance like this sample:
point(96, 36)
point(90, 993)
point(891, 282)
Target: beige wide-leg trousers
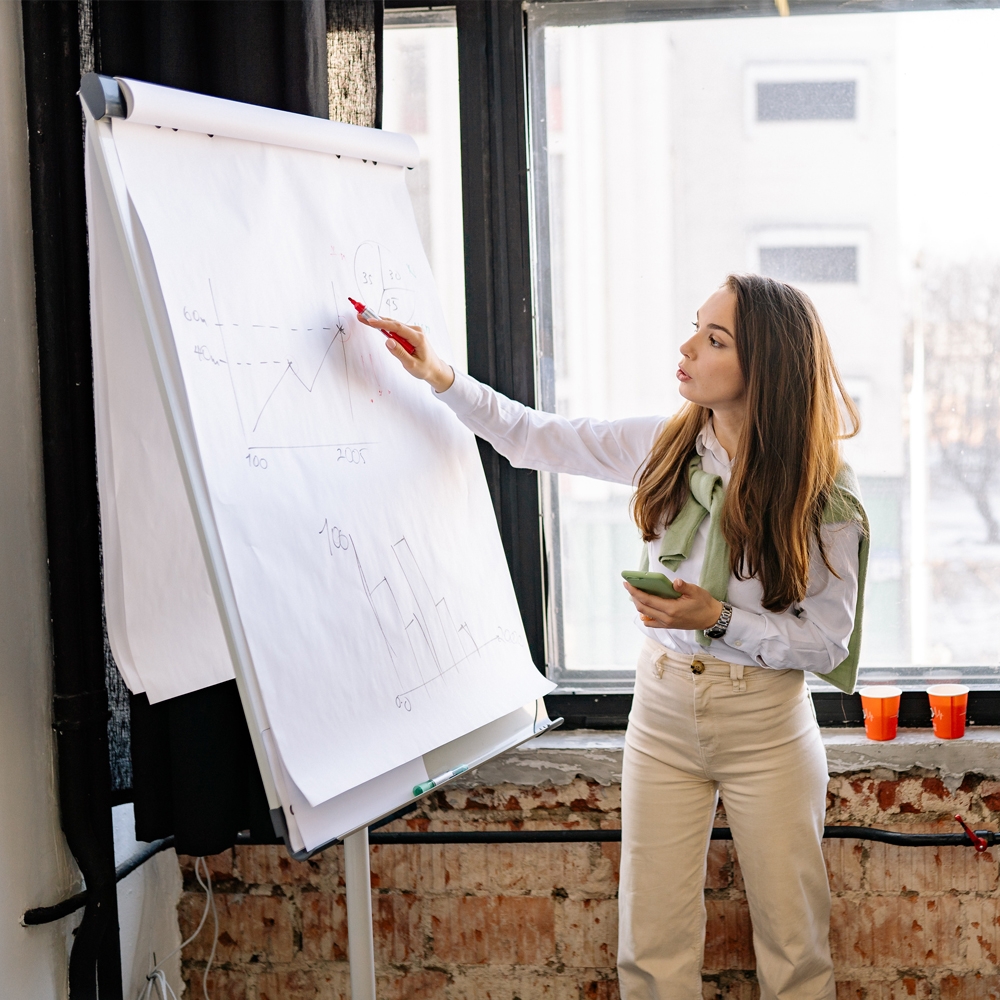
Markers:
point(700, 727)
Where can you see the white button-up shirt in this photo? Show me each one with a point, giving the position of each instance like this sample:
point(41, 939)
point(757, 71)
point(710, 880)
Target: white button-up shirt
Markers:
point(811, 635)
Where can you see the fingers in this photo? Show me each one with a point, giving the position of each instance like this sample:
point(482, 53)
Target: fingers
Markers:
point(650, 600)
point(652, 614)
point(413, 334)
point(409, 361)
point(667, 612)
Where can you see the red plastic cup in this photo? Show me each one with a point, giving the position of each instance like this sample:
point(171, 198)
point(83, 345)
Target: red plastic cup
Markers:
point(881, 705)
point(948, 706)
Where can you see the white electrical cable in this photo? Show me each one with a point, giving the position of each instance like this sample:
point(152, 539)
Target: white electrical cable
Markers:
point(157, 977)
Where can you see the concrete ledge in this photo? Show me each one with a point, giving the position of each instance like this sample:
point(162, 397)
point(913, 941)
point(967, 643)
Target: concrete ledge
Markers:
point(560, 757)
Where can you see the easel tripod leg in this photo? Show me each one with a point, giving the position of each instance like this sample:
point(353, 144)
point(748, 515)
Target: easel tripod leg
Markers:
point(360, 938)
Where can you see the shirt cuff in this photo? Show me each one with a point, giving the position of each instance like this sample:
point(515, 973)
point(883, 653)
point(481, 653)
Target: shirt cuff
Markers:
point(462, 395)
point(745, 632)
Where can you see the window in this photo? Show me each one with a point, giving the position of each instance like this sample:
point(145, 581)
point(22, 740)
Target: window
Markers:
point(820, 150)
point(801, 265)
point(806, 100)
point(421, 97)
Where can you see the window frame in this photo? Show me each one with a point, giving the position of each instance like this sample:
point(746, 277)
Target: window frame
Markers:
point(601, 698)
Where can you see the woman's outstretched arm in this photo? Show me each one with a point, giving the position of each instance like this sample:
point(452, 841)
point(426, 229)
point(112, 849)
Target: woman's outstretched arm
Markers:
point(612, 450)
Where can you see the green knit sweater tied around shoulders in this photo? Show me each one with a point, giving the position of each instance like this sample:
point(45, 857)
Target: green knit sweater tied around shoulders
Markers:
point(705, 499)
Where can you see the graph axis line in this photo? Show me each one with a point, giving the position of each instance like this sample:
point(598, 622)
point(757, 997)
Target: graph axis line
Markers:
point(293, 447)
point(229, 367)
point(468, 656)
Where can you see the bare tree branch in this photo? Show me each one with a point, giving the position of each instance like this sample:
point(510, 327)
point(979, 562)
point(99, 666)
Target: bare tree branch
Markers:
point(962, 382)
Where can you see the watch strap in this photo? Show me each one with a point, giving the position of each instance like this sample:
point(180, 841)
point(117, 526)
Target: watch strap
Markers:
point(718, 630)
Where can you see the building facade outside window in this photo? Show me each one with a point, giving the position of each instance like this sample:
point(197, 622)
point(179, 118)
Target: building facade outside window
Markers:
point(846, 154)
point(420, 96)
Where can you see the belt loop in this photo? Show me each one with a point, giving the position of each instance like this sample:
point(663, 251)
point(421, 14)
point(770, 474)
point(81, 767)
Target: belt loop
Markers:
point(658, 664)
point(736, 675)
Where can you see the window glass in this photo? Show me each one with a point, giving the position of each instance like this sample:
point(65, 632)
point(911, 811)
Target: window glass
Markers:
point(849, 155)
point(420, 96)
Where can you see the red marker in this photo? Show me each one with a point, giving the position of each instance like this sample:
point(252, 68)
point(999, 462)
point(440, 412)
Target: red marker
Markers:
point(365, 313)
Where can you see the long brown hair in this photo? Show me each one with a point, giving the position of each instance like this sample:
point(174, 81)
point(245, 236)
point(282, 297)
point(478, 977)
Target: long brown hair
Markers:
point(788, 454)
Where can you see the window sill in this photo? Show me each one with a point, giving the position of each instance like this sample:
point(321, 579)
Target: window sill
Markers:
point(558, 758)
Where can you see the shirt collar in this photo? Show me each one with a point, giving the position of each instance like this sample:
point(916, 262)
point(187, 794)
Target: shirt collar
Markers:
point(707, 442)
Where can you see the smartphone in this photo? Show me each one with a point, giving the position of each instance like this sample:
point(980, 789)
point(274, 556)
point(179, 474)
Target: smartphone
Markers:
point(652, 583)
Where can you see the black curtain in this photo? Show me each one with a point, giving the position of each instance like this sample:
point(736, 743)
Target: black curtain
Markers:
point(267, 52)
point(498, 309)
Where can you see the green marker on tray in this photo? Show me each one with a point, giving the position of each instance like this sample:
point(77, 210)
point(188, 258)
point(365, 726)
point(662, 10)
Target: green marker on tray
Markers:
point(426, 786)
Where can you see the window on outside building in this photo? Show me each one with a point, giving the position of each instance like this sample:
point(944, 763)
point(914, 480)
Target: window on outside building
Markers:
point(843, 153)
point(420, 96)
point(798, 265)
point(806, 100)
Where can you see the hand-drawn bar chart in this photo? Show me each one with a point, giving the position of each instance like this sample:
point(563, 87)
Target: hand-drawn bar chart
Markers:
point(427, 644)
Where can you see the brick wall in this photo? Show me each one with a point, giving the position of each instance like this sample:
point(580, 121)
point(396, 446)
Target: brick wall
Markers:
point(499, 922)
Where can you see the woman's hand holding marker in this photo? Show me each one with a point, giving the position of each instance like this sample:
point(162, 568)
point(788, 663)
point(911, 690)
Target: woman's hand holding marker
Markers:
point(695, 608)
point(423, 363)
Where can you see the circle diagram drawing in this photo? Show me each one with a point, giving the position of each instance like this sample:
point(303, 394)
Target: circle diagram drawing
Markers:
point(385, 284)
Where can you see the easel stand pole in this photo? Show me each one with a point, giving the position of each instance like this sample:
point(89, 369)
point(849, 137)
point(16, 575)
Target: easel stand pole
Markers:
point(360, 936)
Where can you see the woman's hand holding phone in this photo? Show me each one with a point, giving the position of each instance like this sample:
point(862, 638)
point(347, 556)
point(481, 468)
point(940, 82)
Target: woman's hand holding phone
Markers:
point(694, 608)
point(424, 362)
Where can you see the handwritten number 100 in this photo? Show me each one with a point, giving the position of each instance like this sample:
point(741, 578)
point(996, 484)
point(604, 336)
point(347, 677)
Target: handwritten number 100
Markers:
point(335, 538)
point(256, 462)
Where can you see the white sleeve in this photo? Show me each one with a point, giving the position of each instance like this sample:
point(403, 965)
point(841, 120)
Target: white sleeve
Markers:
point(613, 450)
point(814, 634)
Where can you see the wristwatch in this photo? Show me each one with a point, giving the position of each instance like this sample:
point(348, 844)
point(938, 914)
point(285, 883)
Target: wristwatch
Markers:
point(718, 630)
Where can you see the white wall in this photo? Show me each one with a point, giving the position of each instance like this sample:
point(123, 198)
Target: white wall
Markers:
point(147, 911)
point(35, 867)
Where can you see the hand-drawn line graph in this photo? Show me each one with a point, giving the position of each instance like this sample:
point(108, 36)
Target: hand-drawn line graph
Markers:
point(302, 386)
point(426, 646)
point(384, 283)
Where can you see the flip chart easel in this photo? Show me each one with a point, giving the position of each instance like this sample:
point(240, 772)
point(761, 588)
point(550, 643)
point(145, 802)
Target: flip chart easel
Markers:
point(128, 256)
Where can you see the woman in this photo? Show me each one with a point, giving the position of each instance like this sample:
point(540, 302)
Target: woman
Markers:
point(743, 490)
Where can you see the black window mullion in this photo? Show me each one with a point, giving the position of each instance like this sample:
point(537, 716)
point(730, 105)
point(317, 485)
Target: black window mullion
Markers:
point(498, 269)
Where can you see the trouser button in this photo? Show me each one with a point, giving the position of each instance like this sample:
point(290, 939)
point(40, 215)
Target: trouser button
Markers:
point(697, 667)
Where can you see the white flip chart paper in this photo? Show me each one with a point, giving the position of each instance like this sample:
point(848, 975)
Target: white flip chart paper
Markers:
point(154, 572)
point(354, 516)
